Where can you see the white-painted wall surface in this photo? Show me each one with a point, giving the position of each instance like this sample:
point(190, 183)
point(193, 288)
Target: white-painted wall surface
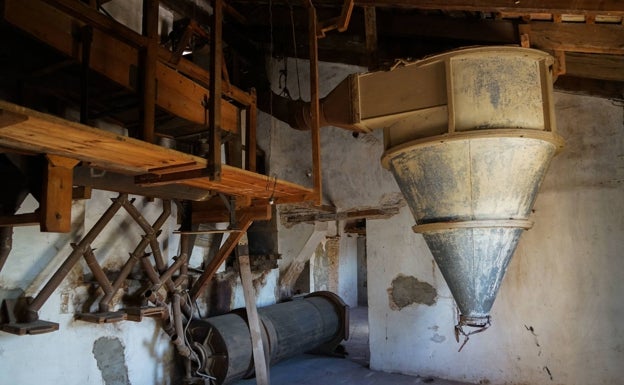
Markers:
point(557, 319)
point(347, 270)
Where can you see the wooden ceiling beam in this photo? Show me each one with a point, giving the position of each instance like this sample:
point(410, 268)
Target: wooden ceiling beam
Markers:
point(576, 37)
point(605, 7)
point(595, 66)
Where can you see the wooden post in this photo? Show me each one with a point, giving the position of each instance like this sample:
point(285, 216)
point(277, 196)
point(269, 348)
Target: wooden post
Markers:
point(315, 106)
point(370, 26)
point(150, 55)
point(214, 103)
point(260, 364)
point(250, 139)
point(56, 200)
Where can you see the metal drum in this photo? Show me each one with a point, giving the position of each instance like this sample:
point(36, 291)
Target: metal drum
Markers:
point(317, 322)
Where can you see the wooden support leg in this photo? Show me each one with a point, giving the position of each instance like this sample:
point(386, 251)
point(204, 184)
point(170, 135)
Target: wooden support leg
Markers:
point(260, 364)
point(56, 199)
point(250, 133)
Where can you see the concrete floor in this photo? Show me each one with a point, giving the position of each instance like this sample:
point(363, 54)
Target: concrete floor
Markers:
point(316, 370)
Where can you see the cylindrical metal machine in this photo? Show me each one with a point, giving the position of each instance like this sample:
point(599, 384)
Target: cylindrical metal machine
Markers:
point(317, 322)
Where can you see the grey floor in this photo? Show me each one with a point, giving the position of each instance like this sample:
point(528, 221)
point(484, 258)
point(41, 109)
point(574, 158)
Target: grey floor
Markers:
point(316, 370)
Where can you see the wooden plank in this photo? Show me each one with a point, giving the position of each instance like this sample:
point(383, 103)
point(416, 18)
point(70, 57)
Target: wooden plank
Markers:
point(118, 61)
point(226, 249)
point(56, 200)
point(609, 7)
point(253, 320)
point(595, 66)
point(573, 37)
point(250, 134)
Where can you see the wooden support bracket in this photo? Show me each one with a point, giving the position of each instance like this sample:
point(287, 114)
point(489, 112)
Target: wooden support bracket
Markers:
point(56, 199)
point(341, 23)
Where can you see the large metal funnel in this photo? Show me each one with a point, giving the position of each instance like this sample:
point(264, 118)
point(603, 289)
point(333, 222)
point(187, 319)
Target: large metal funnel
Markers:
point(470, 166)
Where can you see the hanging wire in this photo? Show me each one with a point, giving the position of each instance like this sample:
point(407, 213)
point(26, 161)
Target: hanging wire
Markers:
point(294, 39)
point(459, 330)
point(272, 118)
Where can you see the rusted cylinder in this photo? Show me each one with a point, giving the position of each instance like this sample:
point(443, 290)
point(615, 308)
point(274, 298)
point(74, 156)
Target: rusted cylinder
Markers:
point(318, 322)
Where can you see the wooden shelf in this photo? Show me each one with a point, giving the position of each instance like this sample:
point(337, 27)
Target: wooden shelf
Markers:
point(22, 129)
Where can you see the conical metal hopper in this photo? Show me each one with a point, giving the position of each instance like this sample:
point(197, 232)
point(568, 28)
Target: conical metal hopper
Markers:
point(471, 189)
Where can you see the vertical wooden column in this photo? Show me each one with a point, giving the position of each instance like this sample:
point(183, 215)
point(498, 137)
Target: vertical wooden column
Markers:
point(56, 200)
point(250, 139)
point(315, 106)
point(214, 103)
point(370, 26)
point(260, 364)
point(150, 55)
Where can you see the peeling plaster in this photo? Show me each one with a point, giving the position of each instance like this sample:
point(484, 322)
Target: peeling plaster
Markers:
point(408, 290)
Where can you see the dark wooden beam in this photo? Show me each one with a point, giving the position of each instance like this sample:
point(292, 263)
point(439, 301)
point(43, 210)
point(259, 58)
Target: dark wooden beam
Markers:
point(595, 66)
point(607, 7)
point(591, 87)
point(604, 7)
point(576, 37)
point(311, 216)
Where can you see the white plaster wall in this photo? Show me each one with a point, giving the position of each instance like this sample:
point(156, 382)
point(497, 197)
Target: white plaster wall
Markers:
point(565, 280)
point(66, 356)
point(347, 270)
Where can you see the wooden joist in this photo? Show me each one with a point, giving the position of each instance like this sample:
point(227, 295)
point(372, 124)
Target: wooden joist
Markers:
point(576, 37)
point(118, 59)
point(23, 129)
point(606, 7)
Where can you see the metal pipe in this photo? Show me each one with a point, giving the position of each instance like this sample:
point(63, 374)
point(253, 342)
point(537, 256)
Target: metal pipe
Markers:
point(6, 244)
point(179, 261)
point(97, 271)
point(178, 337)
point(30, 312)
point(150, 271)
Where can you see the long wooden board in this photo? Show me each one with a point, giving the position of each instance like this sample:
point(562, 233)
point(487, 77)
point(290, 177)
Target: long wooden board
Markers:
point(23, 129)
